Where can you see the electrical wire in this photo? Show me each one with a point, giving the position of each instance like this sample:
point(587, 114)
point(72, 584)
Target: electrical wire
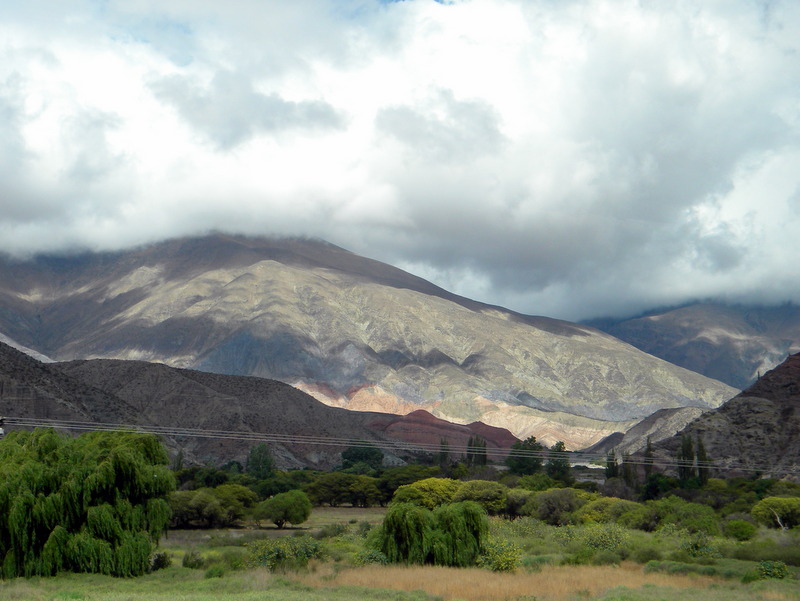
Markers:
point(575, 457)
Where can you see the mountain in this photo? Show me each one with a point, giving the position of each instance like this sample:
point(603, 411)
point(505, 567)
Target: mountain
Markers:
point(351, 331)
point(730, 343)
point(758, 431)
point(136, 393)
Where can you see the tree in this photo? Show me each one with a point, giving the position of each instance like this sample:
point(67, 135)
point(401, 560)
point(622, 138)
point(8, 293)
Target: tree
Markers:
point(332, 488)
point(526, 457)
point(703, 462)
point(452, 535)
point(686, 460)
point(443, 456)
point(648, 459)
point(429, 493)
point(368, 454)
point(558, 466)
point(94, 503)
point(612, 467)
point(489, 495)
point(259, 462)
point(476, 451)
point(293, 507)
point(783, 512)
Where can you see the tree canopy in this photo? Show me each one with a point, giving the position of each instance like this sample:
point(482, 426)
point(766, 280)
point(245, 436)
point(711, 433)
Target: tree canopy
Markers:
point(94, 503)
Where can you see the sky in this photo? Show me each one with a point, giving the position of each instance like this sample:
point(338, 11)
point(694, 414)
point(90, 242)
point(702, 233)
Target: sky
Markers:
point(573, 159)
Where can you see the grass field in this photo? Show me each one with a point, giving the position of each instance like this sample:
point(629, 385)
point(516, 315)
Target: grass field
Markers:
point(540, 578)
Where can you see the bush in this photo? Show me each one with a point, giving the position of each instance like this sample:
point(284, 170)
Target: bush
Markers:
point(215, 572)
point(283, 553)
point(429, 493)
point(489, 495)
point(370, 557)
point(193, 560)
point(739, 529)
point(772, 569)
point(160, 560)
point(606, 537)
point(500, 556)
point(645, 554)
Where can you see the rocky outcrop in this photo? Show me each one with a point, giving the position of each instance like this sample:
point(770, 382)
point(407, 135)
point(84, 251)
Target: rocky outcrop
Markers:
point(756, 432)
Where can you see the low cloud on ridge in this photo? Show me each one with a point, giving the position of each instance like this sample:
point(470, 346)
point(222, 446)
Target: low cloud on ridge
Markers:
point(570, 159)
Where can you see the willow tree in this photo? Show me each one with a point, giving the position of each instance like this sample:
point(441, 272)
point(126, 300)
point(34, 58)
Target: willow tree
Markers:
point(94, 503)
point(451, 535)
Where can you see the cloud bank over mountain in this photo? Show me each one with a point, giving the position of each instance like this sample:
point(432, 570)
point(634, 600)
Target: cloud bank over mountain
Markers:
point(570, 159)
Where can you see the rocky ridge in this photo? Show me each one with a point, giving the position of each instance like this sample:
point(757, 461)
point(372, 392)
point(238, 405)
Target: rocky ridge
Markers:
point(352, 332)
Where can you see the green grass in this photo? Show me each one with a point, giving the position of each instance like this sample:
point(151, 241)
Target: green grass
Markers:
point(182, 584)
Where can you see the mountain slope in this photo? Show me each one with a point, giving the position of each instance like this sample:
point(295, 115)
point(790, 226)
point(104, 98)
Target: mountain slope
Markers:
point(730, 343)
point(758, 431)
point(351, 331)
point(147, 394)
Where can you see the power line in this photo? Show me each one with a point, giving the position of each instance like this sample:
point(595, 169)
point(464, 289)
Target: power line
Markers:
point(393, 445)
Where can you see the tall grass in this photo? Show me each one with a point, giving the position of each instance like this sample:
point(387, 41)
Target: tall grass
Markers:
point(554, 583)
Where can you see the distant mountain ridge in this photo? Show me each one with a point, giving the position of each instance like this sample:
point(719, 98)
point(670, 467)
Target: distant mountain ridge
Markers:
point(136, 393)
point(351, 331)
point(730, 343)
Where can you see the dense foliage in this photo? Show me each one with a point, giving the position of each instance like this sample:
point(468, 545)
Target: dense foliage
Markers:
point(293, 507)
point(94, 503)
point(451, 535)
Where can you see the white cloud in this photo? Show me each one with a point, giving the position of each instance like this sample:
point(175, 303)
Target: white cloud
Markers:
point(569, 158)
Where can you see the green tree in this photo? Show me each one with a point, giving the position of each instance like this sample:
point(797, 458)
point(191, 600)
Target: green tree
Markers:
point(452, 535)
point(94, 503)
point(476, 451)
point(783, 512)
point(612, 467)
point(558, 466)
point(489, 495)
point(686, 461)
point(648, 459)
point(526, 457)
point(293, 507)
point(367, 454)
point(429, 493)
point(333, 488)
point(259, 462)
point(703, 462)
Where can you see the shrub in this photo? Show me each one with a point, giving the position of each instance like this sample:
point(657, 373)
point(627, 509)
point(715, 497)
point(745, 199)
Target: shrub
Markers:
point(160, 560)
point(555, 506)
point(700, 545)
point(739, 529)
point(607, 537)
point(489, 495)
point(283, 553)
point(429, 493)
point(193, 560)
point(645, 554)
point(772, 569)
point(330, 531)
point(500, 556)
point(370, 557)
point(215, 572)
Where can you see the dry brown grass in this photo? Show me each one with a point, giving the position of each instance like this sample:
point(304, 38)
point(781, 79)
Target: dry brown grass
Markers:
point(553, 583)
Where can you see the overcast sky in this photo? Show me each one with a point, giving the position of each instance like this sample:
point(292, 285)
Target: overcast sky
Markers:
point(570, 159)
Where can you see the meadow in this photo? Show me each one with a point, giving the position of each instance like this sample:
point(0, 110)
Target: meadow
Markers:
point(553, 567)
